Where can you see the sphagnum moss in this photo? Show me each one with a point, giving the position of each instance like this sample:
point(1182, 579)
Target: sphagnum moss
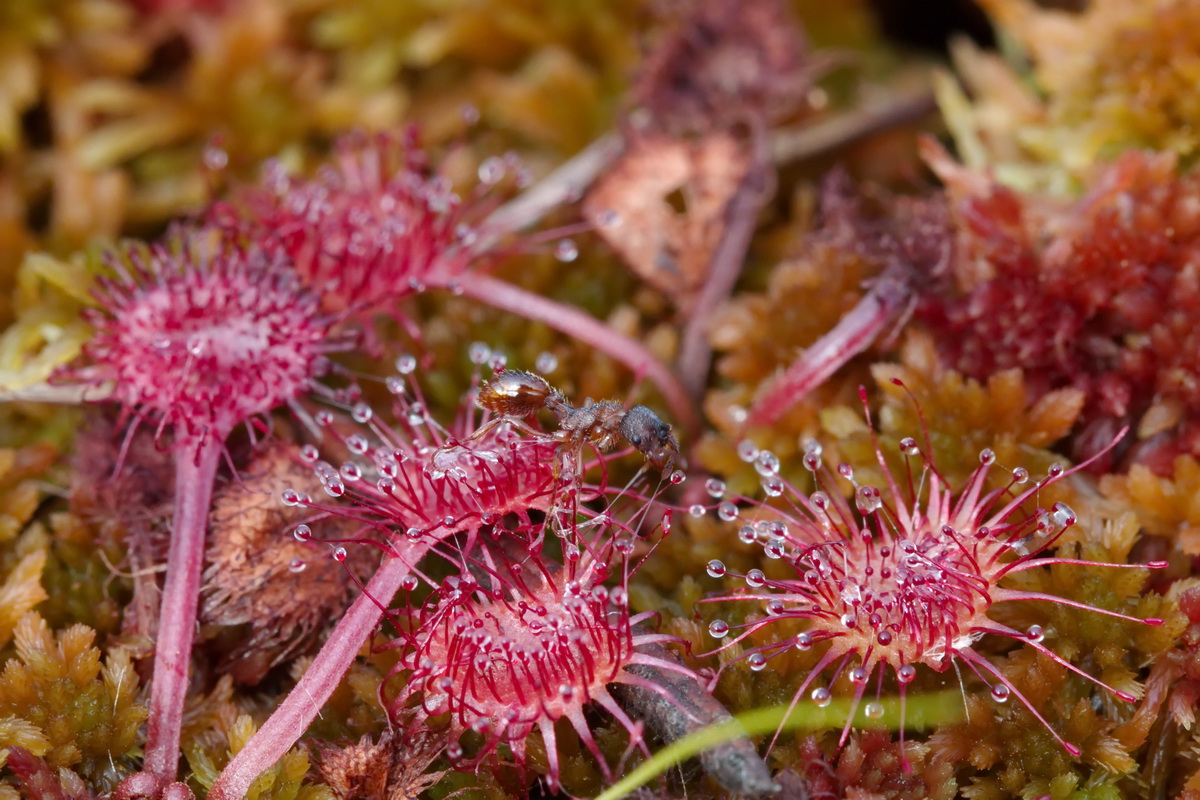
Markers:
point(107, 109)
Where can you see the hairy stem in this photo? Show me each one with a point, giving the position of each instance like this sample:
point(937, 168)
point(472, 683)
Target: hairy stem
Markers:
point(589, 330)
point(888, 300)
point(302, 705)
point(195, 472)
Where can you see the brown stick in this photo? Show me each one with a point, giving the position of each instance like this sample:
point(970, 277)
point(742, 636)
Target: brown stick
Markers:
point(735, 764)
point(741, 218)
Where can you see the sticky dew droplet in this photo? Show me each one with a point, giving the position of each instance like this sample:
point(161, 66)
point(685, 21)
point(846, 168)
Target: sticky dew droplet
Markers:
point(868, 499)
point(566, 251)
point(479, 353)
point(361, 413)
point(766, 463)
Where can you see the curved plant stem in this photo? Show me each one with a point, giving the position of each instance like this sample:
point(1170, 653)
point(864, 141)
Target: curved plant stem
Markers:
point(589, 330)
point(195, 472)
point(934, 708)
point(888, 301)
point(302, 705)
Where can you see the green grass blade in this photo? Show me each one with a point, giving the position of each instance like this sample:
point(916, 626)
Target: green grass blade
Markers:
point(924, 711)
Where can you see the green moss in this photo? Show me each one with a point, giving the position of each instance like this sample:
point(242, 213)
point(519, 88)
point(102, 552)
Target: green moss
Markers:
point(84, 705)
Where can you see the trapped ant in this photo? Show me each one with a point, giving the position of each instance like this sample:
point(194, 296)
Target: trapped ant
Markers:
point(518, 394)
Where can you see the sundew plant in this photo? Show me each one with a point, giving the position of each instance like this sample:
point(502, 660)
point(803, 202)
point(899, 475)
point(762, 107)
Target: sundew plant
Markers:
point(518, 398)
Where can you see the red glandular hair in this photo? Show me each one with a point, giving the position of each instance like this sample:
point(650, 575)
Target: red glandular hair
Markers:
point(519, 643)
point(372, 227)
point(200, 334)
point(904, 578)
point(412, 478)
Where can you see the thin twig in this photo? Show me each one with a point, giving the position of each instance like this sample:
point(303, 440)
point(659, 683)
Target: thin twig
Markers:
point(741, 218)
point(818, 139)
point(67, 395)
point(735, 764)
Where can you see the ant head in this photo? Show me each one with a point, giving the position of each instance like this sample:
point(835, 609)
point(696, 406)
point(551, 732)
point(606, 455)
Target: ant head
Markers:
point(650, 436)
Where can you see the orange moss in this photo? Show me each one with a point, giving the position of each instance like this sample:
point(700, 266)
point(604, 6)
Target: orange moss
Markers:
point(85, 710)
point(1165, 506)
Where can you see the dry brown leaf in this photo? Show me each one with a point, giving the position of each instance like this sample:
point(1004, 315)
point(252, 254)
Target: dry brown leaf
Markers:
point(662, 207)
point(392, 769)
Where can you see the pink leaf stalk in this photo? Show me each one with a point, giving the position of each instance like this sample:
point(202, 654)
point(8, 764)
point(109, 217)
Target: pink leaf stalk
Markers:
point(906, 577)
point(412, 484)
point(302, 705)
point(198, 336)
point(889, 300)
point(591, 331)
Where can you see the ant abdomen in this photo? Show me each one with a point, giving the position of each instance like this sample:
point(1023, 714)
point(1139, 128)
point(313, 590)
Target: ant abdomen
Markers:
point(515, 393)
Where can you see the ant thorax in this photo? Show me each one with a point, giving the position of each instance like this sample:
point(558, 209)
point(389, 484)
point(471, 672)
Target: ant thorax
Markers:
point(598, 424)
